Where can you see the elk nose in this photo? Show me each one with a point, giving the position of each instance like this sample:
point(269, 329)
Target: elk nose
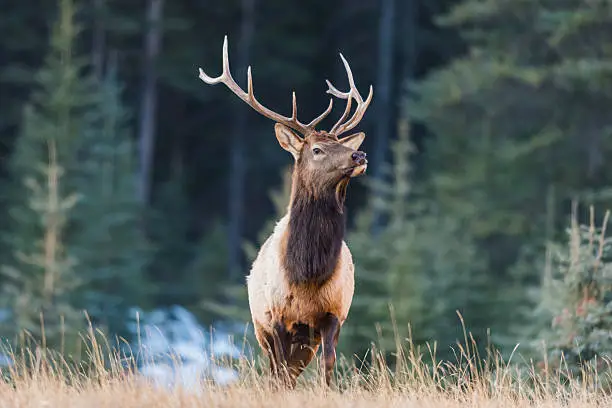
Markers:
point(359, 157)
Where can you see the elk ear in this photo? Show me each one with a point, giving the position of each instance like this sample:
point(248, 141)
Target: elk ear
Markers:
point(353, 141)
point(288, 140)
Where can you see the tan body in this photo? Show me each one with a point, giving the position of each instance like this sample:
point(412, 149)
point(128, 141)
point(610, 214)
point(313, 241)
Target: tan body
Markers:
point(272, 299)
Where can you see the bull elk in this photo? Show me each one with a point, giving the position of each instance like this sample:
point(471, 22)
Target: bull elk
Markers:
point(301, 284)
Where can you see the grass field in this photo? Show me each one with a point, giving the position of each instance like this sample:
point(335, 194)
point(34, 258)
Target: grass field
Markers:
point(49, 391)
point(39, 380)
point(119, 394)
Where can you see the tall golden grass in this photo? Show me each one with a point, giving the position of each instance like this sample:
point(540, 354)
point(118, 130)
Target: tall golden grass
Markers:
point(40, 378)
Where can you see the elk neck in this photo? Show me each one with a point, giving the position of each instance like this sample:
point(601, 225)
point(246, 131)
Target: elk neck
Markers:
point(315, 233)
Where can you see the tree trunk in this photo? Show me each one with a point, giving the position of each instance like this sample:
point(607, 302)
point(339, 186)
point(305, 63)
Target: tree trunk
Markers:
point(237, 156)
point(149, 98)
point(407, 31)
point(384, 103)
point(98, 40)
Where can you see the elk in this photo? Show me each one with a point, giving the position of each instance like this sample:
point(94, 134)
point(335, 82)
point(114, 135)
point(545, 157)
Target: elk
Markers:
point(301, 284)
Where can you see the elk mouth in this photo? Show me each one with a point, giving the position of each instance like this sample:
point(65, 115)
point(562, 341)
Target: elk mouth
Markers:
point(356, 170)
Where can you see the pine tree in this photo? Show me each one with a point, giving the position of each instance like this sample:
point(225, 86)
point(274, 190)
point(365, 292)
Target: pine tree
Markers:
point(85, 123)
point(20, 46)
point(417, 272)
point(41, 274)
point(280, 199)
point(169, 227)
point(209, 280)
point(108, 237)
point(520, 115)
point(576, 301)
point(387, 273)
point(40, 280)
point(231, 301)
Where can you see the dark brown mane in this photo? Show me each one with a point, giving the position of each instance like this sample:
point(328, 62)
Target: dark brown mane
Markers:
point(315, 234)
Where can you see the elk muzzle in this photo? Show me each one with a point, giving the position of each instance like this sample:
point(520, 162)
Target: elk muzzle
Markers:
point(359, 158)
point(360, 163)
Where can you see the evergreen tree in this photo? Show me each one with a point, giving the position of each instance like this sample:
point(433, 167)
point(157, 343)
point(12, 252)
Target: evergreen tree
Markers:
point(418, 271)
point(108, 237)
point(40, 280)
point(576, 301)
point(41, 275)
point(169, 227)
point(387, 270)
point(520, 115)
point(231, 300)
point(86, 123)
point(208, 278)
point(21, 53)
point(280, 199)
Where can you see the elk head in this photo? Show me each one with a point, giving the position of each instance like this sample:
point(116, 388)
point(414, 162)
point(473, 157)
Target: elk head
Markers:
point(323, 160)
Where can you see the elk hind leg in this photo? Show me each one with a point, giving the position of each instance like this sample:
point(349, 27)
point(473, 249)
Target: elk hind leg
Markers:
point(305, 343)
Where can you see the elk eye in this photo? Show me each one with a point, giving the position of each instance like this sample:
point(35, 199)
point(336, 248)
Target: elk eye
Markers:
point(316, 151)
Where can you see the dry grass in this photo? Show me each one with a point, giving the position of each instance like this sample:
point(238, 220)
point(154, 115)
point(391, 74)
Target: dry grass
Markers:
point(43, 380)
point(121, 394)
point(49, 391)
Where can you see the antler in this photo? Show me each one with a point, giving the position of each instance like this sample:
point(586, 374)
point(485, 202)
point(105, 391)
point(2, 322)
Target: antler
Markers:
point(351, 94)
point(249, 97)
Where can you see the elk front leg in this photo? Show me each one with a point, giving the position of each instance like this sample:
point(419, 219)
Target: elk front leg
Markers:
point(275, 345)
point(281, 339)
point(330, 330)
point(266, 342)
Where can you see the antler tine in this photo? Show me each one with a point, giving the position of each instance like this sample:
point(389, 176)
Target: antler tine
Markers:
point(358, 115)
point(293, 106)
point(249, 97)
point(334, 91)
point(322, 116)
point(342, 95)
point(352, 93)
point(225, 74)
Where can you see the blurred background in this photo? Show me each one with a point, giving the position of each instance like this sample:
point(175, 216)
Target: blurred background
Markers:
point(129, 184)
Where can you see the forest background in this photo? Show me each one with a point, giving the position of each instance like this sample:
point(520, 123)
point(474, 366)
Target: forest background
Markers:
point(126, 181)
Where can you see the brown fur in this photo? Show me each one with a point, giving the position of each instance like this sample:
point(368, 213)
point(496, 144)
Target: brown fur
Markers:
point(317, 223)
point(314, 237)
point(301, 285)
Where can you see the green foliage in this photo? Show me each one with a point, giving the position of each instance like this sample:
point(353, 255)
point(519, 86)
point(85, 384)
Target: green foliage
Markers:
point(212, 294)
point(75, 131)
point(280, 199)
point(508, 118)
point(418, 271)
point(530, 67)
point(231, 300)
point(41, 274)
point(20, 47)
point(514, 317)
point(168, 231)
point(113, 255)
point(577, 298)
point(40, 280)
point(386, 262)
